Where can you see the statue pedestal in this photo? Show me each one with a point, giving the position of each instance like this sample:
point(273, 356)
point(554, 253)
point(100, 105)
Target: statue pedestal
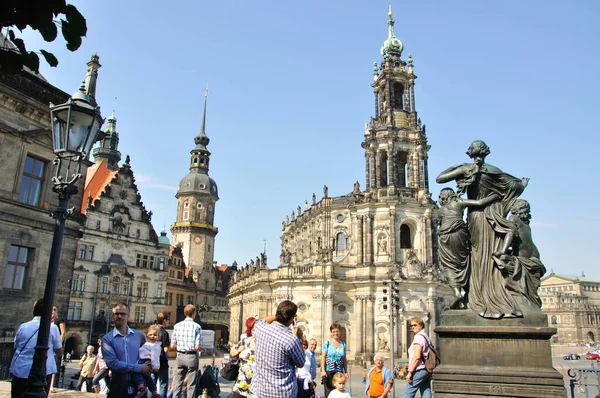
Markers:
point(496, 358)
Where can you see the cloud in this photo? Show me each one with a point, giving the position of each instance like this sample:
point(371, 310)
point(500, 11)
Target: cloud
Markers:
point(145, 181)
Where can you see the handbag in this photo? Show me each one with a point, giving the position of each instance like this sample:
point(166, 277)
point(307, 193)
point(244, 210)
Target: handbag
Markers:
point(230, 370)
point(433, 359)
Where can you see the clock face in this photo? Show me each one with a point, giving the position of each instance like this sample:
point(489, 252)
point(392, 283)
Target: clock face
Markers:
point(197, 239)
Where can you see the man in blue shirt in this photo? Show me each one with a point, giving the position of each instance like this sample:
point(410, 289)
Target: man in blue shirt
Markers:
point(25, 341)
point(310, 353)
point(278, 354)
point(120, 349)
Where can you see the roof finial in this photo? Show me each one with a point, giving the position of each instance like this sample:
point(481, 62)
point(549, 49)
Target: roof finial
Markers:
point(202, 130)
point(390, 14)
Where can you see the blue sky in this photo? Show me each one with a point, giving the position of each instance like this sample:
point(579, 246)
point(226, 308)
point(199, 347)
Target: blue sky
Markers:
point(290, 93)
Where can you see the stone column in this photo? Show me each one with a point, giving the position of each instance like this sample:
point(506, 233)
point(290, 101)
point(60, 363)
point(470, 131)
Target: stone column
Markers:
point(404, 333)
point(393, 235)
point(406, 101)
point(360, 331)
point(359, 240)
point(428, 235)
point(328, 303)
point(367, 171)
point(412, 97)
point(370, 327)
point(373, 169)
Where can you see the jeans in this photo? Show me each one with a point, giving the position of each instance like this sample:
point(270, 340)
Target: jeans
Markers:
point(163, 380)
point(421, 381)
point(139, 379)
point(103, 374)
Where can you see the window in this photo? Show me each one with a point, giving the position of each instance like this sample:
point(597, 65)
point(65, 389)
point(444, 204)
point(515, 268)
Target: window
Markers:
point(179, 299)
point(190, 299)
point(140, 314)
point(405, 239)
point(125, 288)
point(116, 285)
point(31, 182)
point(151, 262)
point(97, 225)
point(159, 290)
point(340, 241)
point(86, 252)
point(142, 289)
point(78, 282)
point(74, 312)
point(145, 261)
point(161, 263)
point(104, 285)
point(138, 260)
point(16, 267)
point(179, 275)
point(171, 273)
point(169, 298)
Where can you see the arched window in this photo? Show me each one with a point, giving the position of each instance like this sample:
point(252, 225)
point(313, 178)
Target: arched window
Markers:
point(398, 96)
point(340, 241)
point(405, 238)
point(343, 333)
point(383, 169)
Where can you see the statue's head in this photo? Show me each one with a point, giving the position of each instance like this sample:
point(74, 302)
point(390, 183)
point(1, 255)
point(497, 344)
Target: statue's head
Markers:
point(446, 195)
point(522, 210)
point(478, 151)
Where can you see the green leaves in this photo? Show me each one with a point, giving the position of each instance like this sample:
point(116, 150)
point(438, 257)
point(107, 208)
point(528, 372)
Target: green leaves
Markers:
point(39, 15)
point(73, 28)
point(50, 58)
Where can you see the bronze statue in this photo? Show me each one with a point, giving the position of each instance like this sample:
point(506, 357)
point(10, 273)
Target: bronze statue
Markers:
point(488, 227)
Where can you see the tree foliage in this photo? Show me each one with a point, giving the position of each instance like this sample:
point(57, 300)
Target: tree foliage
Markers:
point(45, 16)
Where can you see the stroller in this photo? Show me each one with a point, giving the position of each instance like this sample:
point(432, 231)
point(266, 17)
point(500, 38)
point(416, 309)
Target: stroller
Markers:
point(209, 382)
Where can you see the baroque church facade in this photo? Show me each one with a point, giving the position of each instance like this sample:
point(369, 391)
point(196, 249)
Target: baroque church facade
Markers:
point(338, 252)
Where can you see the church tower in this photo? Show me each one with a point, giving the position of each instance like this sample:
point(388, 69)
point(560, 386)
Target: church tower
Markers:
point(193, 230)
point(395, 142)
point(108, 149)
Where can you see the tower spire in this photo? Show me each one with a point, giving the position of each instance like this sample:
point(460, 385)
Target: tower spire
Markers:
point(392, 47)
point(202, 129)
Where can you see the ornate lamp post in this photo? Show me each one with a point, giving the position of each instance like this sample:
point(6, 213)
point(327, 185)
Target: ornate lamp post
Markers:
point(75, 127)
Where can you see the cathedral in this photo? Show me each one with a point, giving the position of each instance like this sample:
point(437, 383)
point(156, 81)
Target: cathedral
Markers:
point(338, 252)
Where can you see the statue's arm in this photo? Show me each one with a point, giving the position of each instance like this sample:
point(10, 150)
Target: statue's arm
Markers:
point(481, 202)
point(451, 173)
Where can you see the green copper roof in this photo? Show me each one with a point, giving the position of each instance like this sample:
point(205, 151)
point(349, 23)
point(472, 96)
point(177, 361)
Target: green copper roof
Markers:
point(392, 46)
point(163, 239)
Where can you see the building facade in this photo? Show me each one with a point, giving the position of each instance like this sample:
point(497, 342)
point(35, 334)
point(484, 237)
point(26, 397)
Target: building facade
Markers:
point(337, 252)
point(572, 304)
point(26, 197)
point(119, 257)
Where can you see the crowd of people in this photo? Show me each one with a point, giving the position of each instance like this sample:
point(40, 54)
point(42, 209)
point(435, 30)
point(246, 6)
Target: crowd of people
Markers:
point(275, 359)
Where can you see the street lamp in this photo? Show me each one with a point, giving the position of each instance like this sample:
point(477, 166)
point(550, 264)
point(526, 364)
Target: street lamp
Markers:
point(75, 127)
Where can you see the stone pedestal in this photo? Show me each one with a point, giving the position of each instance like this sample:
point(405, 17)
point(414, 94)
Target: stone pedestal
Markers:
point(496, 358)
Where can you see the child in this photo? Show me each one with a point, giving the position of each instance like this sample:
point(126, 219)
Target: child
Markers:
point(339, 382)
point(149, 352)
point(453, 238)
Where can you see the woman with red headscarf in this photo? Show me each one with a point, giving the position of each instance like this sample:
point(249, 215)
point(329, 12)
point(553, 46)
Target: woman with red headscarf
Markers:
point(244, 352)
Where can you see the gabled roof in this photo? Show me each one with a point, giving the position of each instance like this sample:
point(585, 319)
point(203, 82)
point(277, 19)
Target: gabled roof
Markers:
point(572, 278)
point(97, 178)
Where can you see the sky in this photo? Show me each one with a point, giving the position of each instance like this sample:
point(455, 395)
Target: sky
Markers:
point(290, 92)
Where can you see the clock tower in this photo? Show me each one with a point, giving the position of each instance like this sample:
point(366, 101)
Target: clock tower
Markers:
point(197, 195)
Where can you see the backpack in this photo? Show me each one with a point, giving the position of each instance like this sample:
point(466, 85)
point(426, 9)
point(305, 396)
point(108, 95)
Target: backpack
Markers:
point(433, 359)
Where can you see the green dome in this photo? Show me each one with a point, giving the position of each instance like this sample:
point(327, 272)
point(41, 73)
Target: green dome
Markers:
point(163, 239)
point(392, 46)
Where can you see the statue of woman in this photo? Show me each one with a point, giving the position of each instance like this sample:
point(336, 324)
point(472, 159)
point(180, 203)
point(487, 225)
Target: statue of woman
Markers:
point(487, 228)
